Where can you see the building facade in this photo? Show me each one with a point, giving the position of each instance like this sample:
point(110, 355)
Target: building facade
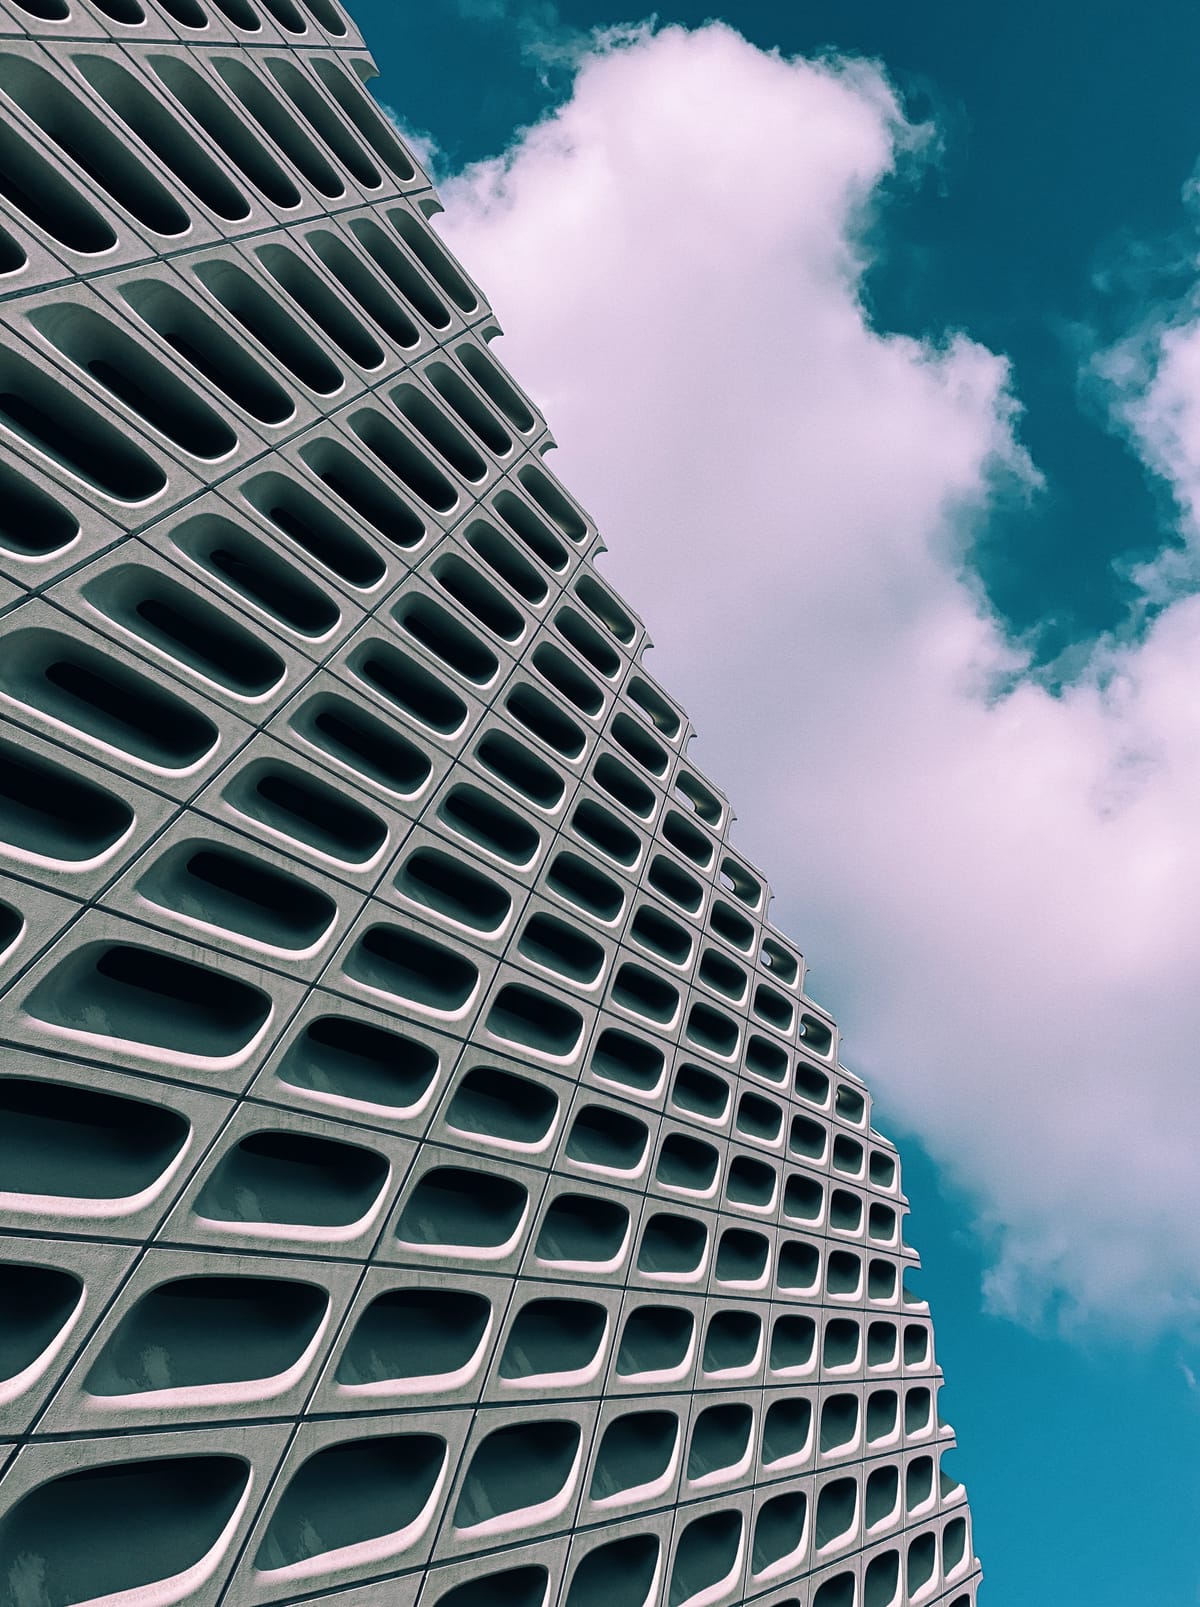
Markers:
point(424, 1177)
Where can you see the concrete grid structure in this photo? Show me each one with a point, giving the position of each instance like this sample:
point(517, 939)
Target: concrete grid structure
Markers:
point(424, 1178)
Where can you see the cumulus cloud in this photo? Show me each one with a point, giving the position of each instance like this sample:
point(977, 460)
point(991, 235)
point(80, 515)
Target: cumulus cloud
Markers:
point(1150, 381)
point(998, 887)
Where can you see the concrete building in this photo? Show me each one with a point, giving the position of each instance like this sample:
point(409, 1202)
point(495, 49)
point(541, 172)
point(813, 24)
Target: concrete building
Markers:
point(424, 1177)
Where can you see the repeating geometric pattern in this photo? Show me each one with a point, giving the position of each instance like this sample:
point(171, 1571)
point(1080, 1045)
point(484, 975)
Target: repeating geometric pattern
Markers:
point(424, 1178)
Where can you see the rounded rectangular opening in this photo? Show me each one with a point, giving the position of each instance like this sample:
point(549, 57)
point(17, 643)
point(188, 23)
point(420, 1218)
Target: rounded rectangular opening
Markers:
point(793, 1343)
point(619, 1057)
point(562, 948)
point(706, 1556)
point(488, 824)
point(581, 884)
point(524, 772)
point(202, 343)
point(741, 1257)
point(62, 427)
point(523, 1016)
point(356, 739)
point(407, 1334)
point(345, 1059)
point(702, 1093)
point(551, 1337)
point(732, 1342)
point(293, 1179)
point(173, 619)
point(298, 806)
point(264, 579)
point(518, 1468)
point(221, 888)
point(452, 889)
point(407, 965)
point(606, 833)
point(656, 1339)
point(197, 1332)
point(352, 1493)
point(75, 1528)
point(463, 1210)
point(636, 1450)
point(500, 1107)
point(536, 535)
point(607, 1139)
point(581, 1229)
point(787, 1429)
point(57, 1139)
point(141, 996)
point(50, 813)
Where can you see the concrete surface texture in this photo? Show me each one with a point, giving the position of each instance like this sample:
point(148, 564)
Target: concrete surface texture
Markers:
point(424, 1178)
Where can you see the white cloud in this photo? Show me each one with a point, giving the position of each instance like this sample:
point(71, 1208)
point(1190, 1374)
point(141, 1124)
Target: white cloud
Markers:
point(999, 890)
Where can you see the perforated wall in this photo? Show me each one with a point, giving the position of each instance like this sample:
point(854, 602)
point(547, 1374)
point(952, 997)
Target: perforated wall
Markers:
point(424, 1178)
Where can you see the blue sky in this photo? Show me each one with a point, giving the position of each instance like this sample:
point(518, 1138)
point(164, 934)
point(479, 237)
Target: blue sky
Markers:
point(879, 364)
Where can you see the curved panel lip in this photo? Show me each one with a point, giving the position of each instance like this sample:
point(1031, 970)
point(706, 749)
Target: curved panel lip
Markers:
point(122, 755)
point(33, 559)
point(327, 757)
point(472, 1252)
point(74, 867)
point(474, 934)
point(526, 1517)
point(646, 1095)
point(694, 1195)
point(149, 1051)
point(716, 1592)
point(578, 1376)
point(838, 1543)
point(530, 1050)
point(365, 1552)
point(889, 1441)
point(642, 1492)
point(415, 1004)
point(61, 469)
point(425, 1383)
point(12, 1388)
point(512, 1146)
point(786, 1564)
point(225, 934)
point(664, 1029)
point(369, 1107)
point(742, 1370)
point(748, 1285)
point(692, 1275)
point(298, 843)
point(562, 979)
point(768, 1210)
point(220, 688)
point(236, 1392)
point(665, 1375)
point(379, 700)
point(90, 1207)
point(595, 1267)
point(883, 1523)
point(303, 1232)
point(177, 1587)
point(733, 1470)
point(623, 1174)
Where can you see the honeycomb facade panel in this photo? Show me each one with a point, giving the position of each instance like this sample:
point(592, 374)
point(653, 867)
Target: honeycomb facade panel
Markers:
point(424, 1179)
